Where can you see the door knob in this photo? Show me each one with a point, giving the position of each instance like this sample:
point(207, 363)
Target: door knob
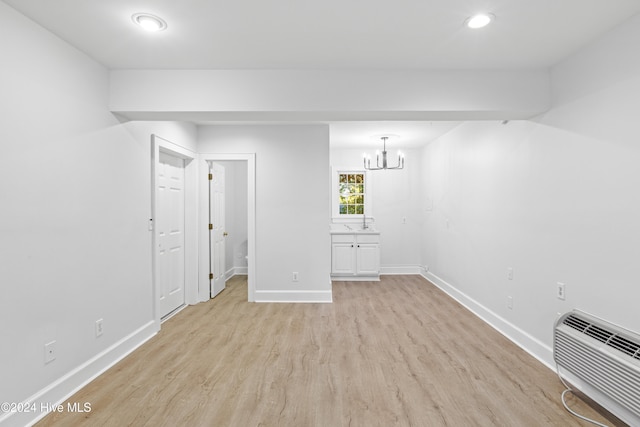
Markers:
point(225, 234)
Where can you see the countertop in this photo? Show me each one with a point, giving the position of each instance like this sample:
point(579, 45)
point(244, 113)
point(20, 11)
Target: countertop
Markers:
point(352, 229)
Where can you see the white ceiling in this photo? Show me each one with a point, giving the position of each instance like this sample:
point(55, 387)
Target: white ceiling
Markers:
point(205, 34)
point(368, 135)
point(331, 34)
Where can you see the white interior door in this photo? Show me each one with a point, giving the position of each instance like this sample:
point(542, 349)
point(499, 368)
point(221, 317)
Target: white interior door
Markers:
point(170, 232)
point(217, 228)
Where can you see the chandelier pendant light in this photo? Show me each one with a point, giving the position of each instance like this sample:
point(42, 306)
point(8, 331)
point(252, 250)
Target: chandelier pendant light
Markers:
point(385, 163)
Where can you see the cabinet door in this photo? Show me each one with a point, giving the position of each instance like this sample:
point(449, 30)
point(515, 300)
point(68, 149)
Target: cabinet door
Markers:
point(342, 258)
point(368, 258)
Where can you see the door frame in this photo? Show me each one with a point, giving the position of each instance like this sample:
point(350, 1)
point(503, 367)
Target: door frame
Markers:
point(203, 222)
point(159, 144)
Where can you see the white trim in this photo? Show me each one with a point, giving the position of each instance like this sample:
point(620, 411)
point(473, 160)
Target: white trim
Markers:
point(173, 148)
point(368, 191)
point(241, 271)
point(384, 270)
point(174, 312)
point(400, 269)
point(159, 144)
point(522, 339)
point(203, 269)
point(336, 278)
point(294, 296)
point(69, 384)
point(235, 271)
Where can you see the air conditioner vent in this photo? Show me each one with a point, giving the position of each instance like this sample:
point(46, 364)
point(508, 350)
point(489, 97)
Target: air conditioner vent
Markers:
point(606, 336)
point(600, 334)
point(603, 355)
point(576, 323)
point(626, 346)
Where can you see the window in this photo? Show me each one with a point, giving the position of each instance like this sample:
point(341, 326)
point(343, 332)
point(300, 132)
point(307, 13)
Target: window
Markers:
point(351, 193)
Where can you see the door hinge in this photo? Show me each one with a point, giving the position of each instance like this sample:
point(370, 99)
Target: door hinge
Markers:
point(210, 276)
point(210, 177)
point(210, 226)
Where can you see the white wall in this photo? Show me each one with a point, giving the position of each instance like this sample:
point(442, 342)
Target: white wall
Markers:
point(75, 192)
point(292, 205)
point(395, 202)
point(556, 199)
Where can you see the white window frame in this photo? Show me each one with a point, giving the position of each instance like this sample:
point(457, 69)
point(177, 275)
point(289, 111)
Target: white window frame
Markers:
point(336, 217)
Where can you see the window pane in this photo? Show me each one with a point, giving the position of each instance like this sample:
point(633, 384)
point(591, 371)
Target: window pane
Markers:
point(351, 198)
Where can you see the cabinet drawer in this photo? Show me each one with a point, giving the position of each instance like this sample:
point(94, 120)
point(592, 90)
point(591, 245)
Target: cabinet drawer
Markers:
point(368, 238)
point(342, 238)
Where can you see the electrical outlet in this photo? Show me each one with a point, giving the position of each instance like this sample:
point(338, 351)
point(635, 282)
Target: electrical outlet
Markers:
point(49, 352)
point(510, 303)
point(99, 329)
point(294, 276)
point(510, 273)
point(561, 293)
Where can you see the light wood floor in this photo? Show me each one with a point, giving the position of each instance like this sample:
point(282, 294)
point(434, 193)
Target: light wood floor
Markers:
point(393, 353)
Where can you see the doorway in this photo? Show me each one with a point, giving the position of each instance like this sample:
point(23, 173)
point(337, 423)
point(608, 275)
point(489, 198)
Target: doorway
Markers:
point(172, 224)
point(231, 257)
point(230, 251)
point(170, 232)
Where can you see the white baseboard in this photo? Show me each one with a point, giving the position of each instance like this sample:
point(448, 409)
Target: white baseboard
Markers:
point(522, 339)
point(66, 386)
point(294, 296)
point(234, 271)
point(401, 269)
point(384, 270)
point(355, 278)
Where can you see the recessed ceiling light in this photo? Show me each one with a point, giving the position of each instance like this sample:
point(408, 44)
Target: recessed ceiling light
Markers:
point(480, 20)
point(149, 22)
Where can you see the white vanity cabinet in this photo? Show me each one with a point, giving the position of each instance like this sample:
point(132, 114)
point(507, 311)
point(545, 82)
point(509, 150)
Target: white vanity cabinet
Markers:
point(355, 256)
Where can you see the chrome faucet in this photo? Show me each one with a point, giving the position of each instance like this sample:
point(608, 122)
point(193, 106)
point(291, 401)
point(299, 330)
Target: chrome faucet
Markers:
point(364, 222)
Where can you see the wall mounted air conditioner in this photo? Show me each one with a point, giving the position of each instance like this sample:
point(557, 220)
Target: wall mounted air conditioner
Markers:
point(603, 356)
